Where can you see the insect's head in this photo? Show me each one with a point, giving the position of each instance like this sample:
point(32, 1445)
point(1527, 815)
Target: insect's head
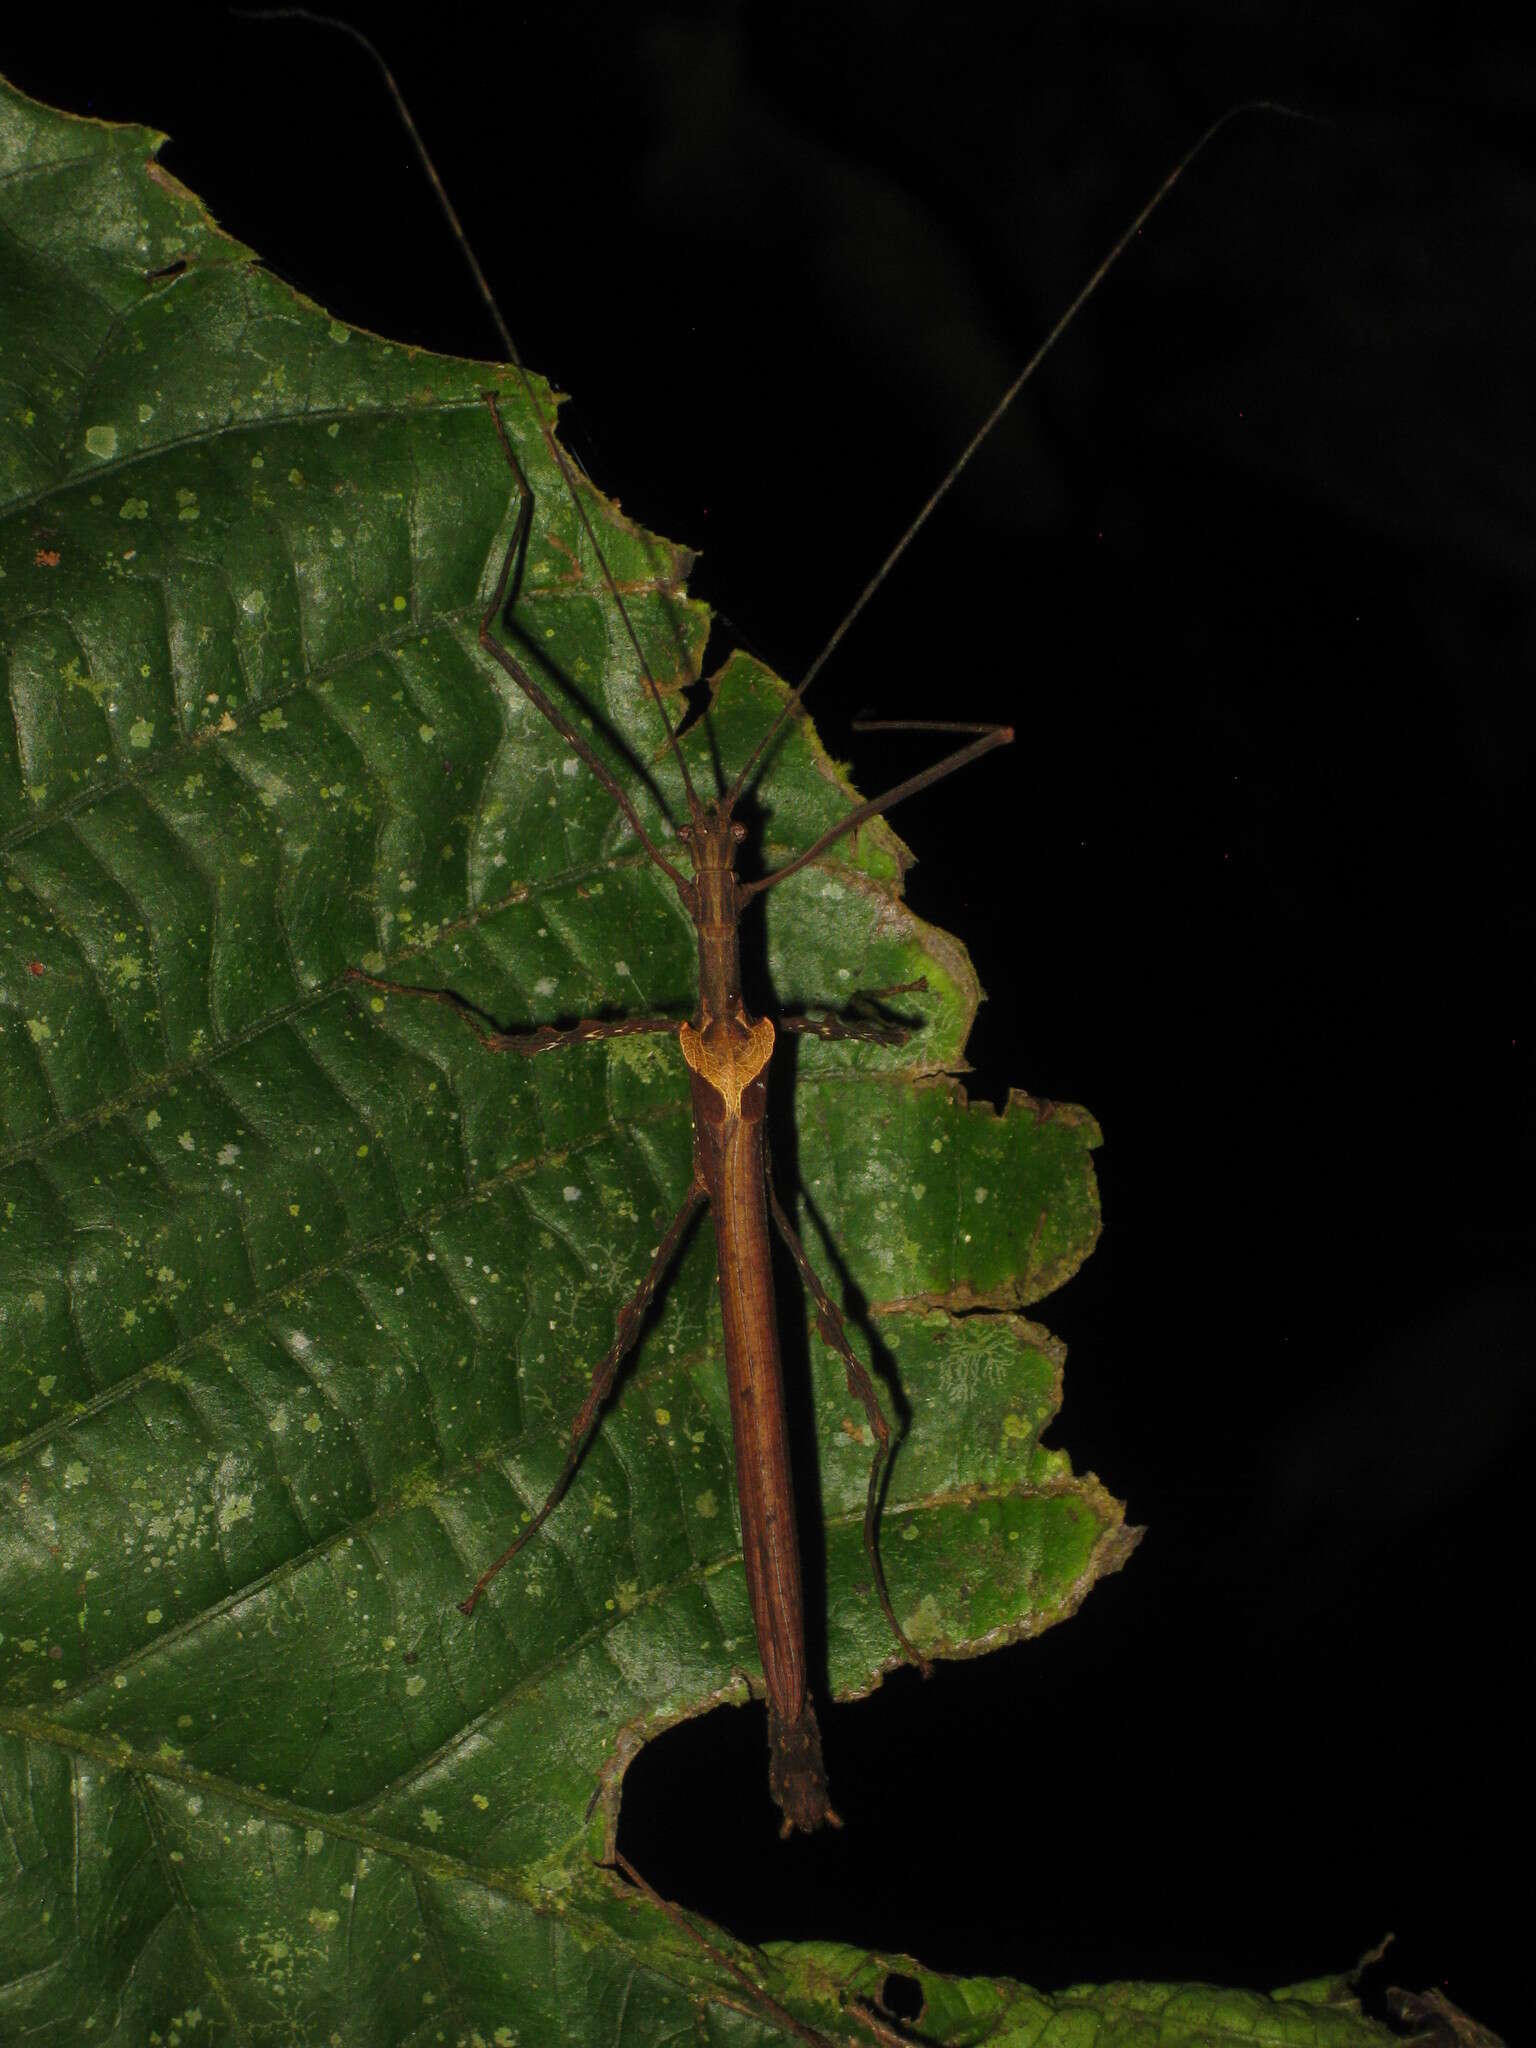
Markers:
point(713, 835)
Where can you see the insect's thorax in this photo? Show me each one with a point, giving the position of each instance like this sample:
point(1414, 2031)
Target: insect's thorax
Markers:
point(712, 840)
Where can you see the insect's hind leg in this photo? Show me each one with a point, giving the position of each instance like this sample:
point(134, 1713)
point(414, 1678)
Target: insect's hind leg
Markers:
point(829, 1325)
point(630, 1317)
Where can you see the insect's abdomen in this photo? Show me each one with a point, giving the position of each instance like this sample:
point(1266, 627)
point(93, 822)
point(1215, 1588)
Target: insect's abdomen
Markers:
point(731, 1158)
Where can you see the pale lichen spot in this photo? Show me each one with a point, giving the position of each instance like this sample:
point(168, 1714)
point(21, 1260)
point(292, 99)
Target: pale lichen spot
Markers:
point(278, 1422)
point(431, 1819)
point(39, 1029)
point(312, 1422)
point(141, 733)
point(152, 1120)
point(571, 1194)
point(981, 1196)
point(101, 442)
point(415, 1685)
point(570, 767)
point(187, 1142)
point(545, 986)
point(425, 733)
point(706, 1505)
point(134, 508)
point(314, 1841)
point(324, 1919)
point(238, 1508)
point(228, 1154)
point(75, 1474)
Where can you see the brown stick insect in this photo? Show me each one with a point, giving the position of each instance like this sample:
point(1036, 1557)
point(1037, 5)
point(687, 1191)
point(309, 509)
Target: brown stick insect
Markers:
point(728, 1052)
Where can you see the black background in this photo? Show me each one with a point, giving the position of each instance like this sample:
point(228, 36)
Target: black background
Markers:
point(1250, 569)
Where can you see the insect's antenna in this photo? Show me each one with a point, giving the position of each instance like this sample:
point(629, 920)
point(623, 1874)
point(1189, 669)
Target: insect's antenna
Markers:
point(947, 482)
point(483, 286)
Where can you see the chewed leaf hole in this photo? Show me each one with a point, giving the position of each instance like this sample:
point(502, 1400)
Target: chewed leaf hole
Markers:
point(902, 1997)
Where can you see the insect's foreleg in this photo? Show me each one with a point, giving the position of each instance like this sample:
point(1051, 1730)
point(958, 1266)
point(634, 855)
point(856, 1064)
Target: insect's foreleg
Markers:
point(546, 1038)
point(540, 701)
point(630, 1317)
point(829, 1325)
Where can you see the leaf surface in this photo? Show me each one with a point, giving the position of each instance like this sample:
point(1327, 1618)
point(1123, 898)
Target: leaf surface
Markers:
point(300, 1285)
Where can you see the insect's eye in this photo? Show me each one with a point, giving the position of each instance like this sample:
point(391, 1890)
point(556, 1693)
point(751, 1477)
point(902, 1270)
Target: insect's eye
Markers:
point(738, 830)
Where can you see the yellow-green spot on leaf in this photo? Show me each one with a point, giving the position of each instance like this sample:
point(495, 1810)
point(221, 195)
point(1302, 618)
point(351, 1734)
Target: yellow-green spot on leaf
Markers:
point(296, 478)
point(663, 1416)
point(154, 1617)
point(1015, 1427)
point(314, 1841)
point(141, 733)
point(272, 721)
point(627, 1595)
point(399, 602)
point(333, 429)
point(415, 1685)
point(152, 1120)
point(427, 734)
point(479, 1799)
point(75, 1474)
point(134, 508)
point(376, 1004)
point(130, 1316)
point(706, 1504)
point(48, 1381)
point(187, 1142)
point(312, 1422)
point(101, 442)
point(38, 1028)
point(431, 1819)
point(238, 1508)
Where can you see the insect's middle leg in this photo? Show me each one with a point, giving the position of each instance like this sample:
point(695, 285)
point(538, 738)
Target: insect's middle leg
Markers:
point(829, 1325)
point(546, 1038)
point(876, 1030)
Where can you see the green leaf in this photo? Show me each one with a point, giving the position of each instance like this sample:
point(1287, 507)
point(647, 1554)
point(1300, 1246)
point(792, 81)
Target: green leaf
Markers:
point(300, 1285)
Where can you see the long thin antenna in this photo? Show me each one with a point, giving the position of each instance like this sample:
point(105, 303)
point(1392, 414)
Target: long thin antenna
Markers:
point(483, 286)
point(947, 482)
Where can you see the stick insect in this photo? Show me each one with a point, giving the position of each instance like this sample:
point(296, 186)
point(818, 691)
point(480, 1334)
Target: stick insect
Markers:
point(728, 1052)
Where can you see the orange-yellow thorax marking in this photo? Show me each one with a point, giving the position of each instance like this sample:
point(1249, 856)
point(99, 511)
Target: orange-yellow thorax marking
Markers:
point(728, 1055)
